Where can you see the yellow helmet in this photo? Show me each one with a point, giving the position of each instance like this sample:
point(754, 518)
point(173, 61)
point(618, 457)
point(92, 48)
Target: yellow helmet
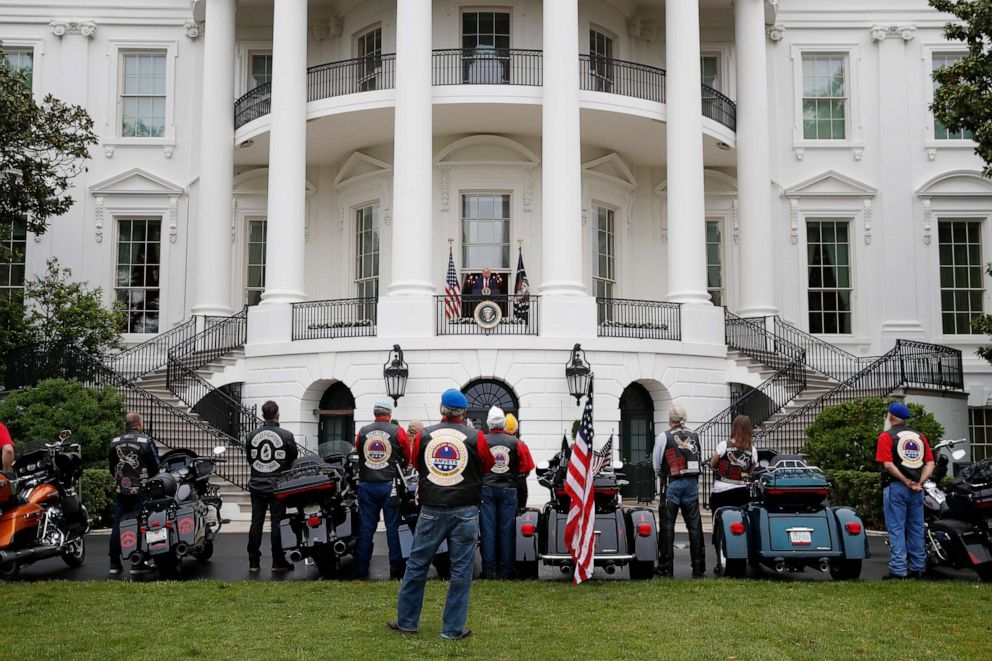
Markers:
point(511, 424)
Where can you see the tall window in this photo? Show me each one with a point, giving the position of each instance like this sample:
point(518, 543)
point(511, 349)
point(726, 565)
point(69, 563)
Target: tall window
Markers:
point(485, 231)
point(486, 45)
point(367, 255)
point(138, 259)
point(604, 253)
point(829, 264)
point(13, 247)
point(20, 60)
point(980, 432)
point(710, 67)
point(369, 47)
point(940, 132)
point(824, 97)
point(255, 279)
point(601, 61)
point(962, 288)
point(714, 261)
point(260, 69)
point(143, 94)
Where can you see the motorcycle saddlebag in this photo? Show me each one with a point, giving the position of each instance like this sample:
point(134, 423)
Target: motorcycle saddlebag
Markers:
point(186, 528)
point(304, 489)
point(129, 537)
point(793, 487)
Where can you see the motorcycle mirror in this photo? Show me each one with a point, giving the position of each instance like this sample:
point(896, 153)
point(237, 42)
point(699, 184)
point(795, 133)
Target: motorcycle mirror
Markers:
point(617, 465)
point(959, 454)
point(763, 463)
point(220, 449)
point(543, 466)
point(65, 434)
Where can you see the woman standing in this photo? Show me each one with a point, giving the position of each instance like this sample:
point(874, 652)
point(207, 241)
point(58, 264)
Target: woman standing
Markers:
point(732, 462)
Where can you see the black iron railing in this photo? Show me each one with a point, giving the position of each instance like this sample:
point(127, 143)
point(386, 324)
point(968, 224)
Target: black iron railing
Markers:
point(821, 356)
point(220, 336)
point(342, 317)
point(253, 104)
point(518, 315)
point(626, 317)
point(605, 74)
point(152, 354)
point(719, 107)
point(488, 66)
point(362, 74)
point(213, 405)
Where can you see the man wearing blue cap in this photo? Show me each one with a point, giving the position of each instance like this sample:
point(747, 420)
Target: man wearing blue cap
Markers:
point(451, 459)
point(383, 450)
point(907, 463)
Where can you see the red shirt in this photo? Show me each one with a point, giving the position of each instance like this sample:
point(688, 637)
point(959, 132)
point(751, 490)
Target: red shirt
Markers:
point(5, 438)
point(401, 436)
point(480, 445)
point(524, 458)
point(883, 451)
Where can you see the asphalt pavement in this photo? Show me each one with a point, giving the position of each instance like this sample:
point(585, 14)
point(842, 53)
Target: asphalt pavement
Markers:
point(230, 563)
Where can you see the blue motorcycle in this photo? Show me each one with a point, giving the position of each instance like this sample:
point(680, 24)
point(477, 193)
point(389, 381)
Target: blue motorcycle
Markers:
point(789, 525)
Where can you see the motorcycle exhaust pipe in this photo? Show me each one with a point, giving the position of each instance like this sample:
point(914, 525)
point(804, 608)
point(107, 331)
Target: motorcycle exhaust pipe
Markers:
point(780, 566)
point(181, 548)
point(136, 558)
point(565, 569)
point(610, 569)
point(295, 555)
point(824, 565)
point(341, 546)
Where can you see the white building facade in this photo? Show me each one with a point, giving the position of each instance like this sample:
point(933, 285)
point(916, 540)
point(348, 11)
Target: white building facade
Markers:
point(650, 161)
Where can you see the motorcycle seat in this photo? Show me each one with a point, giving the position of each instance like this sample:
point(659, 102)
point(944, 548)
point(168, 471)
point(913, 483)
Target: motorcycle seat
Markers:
point(952, 526)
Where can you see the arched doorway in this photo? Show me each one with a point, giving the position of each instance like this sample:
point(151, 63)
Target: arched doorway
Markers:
point(637, 440)
point(336, 422)
point(485, 393)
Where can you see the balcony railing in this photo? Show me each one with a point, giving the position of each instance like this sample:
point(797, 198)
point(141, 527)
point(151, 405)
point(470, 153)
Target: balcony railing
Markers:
point(624, 317)
point(519, 315)
point(342, 317)
point(488, 66)
point(255, 103)
point(604, 74)
point(719, 108)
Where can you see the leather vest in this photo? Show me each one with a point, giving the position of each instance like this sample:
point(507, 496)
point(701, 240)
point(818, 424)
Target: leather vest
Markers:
point(909, 450)
point(132, 462)
point(734, 465)
point(449, 465)
point(504, 472)
point(379, 452)
point(681, 455)
point(270, 450)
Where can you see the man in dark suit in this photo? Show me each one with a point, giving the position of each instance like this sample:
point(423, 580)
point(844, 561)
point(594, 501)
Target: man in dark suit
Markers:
point(487, 287)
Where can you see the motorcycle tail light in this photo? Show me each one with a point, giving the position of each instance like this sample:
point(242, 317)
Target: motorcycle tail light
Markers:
point(852, 528)
point(644, 529)
point(737, 528)
point(313, 521)
point(143, 529)
point(168, 524)
point(528, 530)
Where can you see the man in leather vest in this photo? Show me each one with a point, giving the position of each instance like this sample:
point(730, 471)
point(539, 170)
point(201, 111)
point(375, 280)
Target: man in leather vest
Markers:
point(383, 450)
point(270, 450)
point(499, 496)
point(907, 462)
point(452, 459)
point(133, 458)
point(676, 461)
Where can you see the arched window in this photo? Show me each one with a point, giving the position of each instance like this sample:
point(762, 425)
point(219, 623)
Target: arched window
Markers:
point(485, 393)
point(637, 440)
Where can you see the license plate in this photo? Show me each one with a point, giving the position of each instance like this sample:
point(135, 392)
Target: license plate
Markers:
point(800, 537)
point(311, 509)
point(157, 536)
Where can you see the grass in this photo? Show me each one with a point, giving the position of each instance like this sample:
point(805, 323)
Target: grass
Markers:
point(700, 619)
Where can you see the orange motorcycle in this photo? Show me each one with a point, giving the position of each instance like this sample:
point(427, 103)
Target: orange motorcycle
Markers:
point(41, 511)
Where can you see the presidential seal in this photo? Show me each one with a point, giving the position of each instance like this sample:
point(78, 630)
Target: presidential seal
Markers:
point(377, 449)
point(501, 457)
point(488, 315)
point(266, 451)
point(446, 457)
point(910, 449)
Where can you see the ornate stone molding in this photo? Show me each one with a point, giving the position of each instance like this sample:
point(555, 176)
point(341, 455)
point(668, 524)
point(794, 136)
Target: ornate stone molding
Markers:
point(776, 32)
point(927, 220)
point(734, 223)
point(445, 196)
point(173, 218)
point(584, 191)
point(931, 154)
point(108, 151)
point(387, 201)
point(341, 218)
point(234, 219)
point(858, 153)
point(98, 214)
point(794, 220)
point(168, 151)
point(866, 218)
point(882, 32)
point(629, 210)
point(62, 27)
point(193, 29)
point(799, 153)
point(528, 192)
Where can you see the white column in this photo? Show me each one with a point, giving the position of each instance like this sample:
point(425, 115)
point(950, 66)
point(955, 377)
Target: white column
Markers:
point(753, 169)
point(212, 293)
point(686, 207)
point(285, 240)
point(561, 165)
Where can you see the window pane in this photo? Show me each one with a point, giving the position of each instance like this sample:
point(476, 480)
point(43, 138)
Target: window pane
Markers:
point(961, 275)
point(829, 277)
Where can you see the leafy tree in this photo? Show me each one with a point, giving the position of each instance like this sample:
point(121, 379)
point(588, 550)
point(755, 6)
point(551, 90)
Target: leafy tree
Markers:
point(42, 147)
point(964, 98)
point(844, 437)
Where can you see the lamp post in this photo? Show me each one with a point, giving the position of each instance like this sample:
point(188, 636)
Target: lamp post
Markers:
point(577, 374)
point(395, 372)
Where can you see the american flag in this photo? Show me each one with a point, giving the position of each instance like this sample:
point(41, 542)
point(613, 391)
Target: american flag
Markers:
point(521, 290)
point(603, 457)
point(452, 291)
point(579, 537)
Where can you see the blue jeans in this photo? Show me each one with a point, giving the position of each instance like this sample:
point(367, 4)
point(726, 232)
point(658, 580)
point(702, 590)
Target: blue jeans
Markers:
point(123, 504)
point(460, 526)
point(904, 521)
point(373, 497)
point(496, 519)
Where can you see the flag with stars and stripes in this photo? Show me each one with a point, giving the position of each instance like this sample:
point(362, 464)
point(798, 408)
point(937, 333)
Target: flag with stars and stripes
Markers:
point(452, 291)
point(579, 525)
point(521, 290)
point(602, 458)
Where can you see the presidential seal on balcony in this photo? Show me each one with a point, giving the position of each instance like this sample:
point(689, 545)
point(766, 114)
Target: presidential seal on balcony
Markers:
point(487, 315)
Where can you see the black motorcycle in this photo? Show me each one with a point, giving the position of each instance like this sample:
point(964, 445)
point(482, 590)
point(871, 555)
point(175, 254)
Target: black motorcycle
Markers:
point(957, 521)
point(324, 495)
point(404, 497)
point(180, 517)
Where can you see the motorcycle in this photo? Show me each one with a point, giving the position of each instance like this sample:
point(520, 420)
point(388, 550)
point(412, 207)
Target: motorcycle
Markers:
point(404, 497)
point(180, 516)
point(324, 493)
point(957, 522)
point(41, 511)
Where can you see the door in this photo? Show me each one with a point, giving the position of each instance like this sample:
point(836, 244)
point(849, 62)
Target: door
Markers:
point(637, 441)
point(336, 424)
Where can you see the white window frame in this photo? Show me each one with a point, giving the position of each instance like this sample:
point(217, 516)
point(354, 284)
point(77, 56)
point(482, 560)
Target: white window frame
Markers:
point(949, 211)
point(112, 126)
point(247, 220)
point(594, 245)
point(248, 68)
point(931, 141)
point(724, 54)
point(721, 222)
point(460, 265)
point(163, 271)
point(37, 48)
point(853, 254)
point(354, 246)
point(609, 80)
point(245, 50)
point(470, 9)
point(854, 127)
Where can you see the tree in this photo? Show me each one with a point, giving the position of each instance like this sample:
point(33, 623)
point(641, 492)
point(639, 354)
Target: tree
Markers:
point(42, 147)
point(963, 99)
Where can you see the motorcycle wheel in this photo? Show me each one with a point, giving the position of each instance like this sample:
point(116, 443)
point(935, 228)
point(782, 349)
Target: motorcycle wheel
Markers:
point(526, 570)
point(75, 553)
point(9, 571)
point(641, 570)
point(204, 554)
point(728, 567)
point(168, 566)
point(326, 561)
point(845, 570)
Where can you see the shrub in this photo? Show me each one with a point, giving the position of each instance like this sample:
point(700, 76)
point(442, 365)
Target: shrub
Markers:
point(862, 491)
point(95, 416)
point(98, 489)
point(844, 437)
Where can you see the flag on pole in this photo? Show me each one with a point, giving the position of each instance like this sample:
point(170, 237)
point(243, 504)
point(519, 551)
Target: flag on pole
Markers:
point(521, 290)
point(452, 291)
point(579, 525)
point(602, 458)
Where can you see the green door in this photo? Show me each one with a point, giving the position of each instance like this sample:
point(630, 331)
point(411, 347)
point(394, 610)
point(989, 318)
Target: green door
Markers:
point(637, 440)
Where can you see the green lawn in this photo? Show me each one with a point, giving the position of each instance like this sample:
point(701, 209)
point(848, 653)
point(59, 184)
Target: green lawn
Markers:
point(606, 620)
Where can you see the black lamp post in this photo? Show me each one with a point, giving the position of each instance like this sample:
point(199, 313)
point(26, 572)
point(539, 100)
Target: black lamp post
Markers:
point(395, 372)
point(577, 373)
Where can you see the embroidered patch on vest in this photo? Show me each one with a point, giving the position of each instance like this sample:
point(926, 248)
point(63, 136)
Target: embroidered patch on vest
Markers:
point(266, 451)
point(446, 457)
point(377, 449)
point(910, 449)
point(501, 455)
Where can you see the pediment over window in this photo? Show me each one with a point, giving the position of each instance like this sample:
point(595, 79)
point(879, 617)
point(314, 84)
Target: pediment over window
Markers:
point(831, 184)
point(486, 150)
point(136, 182)
point(611, 168)
point(256, 182)
point(359, 167)
point(959, 183)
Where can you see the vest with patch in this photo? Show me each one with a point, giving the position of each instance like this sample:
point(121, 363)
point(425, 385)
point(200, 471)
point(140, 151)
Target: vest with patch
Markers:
point(132, 462)
point(270, 450)
point(734, 465)
point(681, 455)
point(449, 465)
point(909, 450)
point(379, 452)
point(504, 472)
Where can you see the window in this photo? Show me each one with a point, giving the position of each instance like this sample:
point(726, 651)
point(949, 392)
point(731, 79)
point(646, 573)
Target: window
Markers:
point(601, 61)
point(143, 94)
point(485, 46)
point(824, 97)
point(940, 132)
point(259, 69)
point(13, 247)
point(257, 229)
point(485, 231)
point(962, 290)
point(980, 432)
point(20, 60)
point(367, 258)
point(370, 52)
point(138, 259)
point(709, 65)
point(714, 261)
point(829, 264)
point(604, 253)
